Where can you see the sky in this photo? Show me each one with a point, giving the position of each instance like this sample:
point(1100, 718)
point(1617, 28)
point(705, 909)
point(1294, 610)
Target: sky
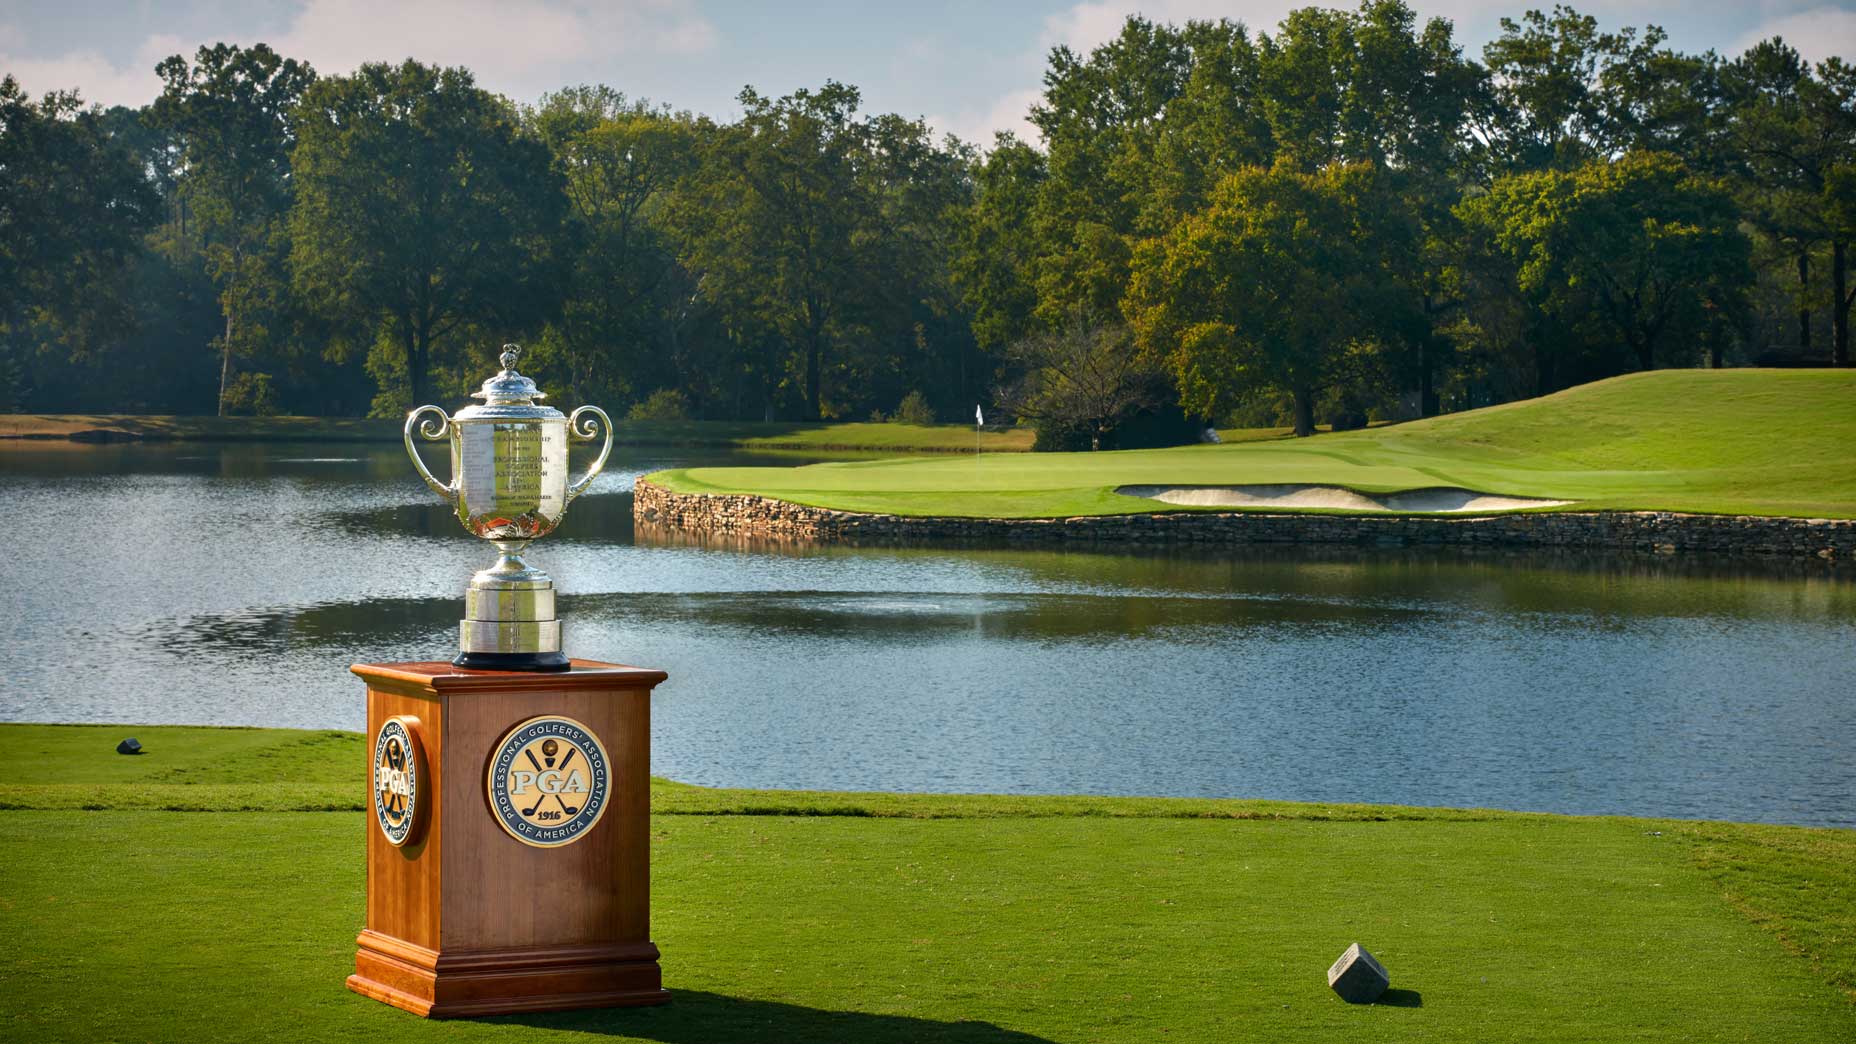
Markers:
point(969, 68)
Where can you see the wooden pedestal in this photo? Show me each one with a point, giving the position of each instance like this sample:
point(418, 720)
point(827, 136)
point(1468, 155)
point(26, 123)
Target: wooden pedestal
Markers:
point(464, 919)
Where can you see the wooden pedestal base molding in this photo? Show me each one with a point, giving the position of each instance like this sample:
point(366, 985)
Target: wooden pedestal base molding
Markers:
point(495, 982)
point(463, 918)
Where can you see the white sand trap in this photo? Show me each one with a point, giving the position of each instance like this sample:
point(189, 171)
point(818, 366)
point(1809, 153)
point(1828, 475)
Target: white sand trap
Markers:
point(1439, 500)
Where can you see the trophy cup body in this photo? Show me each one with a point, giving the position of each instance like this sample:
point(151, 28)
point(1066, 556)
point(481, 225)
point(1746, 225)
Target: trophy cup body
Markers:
point(509, 485)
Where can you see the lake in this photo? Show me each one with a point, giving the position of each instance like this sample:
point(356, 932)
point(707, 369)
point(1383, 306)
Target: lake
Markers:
point(234, 584)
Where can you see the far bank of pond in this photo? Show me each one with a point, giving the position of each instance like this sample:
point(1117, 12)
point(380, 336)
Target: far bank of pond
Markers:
point(1658, 532)
point(883, 437)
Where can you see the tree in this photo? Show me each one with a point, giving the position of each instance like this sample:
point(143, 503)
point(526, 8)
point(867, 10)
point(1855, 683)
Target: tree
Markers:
point(773, 228)
point(1276, 284)
point(916, 332)
point(73, 208)
point(1830, 104)
point(1789, 131)
point(1080, 377)
point(1549, 106)
point(1216, 124)
point(992, 265)
point(423, 211)
point(1372, 86)
point(1839, 201)
point(1101, 117)
point(1646, 248)
point(232, 112)
point(620, 161)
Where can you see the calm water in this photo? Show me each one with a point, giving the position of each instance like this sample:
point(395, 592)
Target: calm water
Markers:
point(234, 585)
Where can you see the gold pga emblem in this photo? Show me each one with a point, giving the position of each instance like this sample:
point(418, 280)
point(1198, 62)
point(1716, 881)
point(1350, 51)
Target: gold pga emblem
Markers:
point(548, 780)
point(399, 770)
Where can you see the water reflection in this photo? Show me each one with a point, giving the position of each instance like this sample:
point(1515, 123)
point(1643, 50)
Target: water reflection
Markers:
point(235, 585)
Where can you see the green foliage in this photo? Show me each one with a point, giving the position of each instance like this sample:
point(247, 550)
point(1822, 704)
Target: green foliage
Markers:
point(231, 112)
point(422, 210)
point(1636, 253)
point(1080, 384)
point(664, 404)
point(1065, 436)
point(366, 241)
point(250, 395)
point(73, 209)
point(993, 267)
point(1787, 134)
point(620, 162)
point(1278, 283)
point(913, 409)
point(814, 234)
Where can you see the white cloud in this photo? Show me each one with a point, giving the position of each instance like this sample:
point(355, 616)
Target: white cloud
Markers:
point(514, 39)
point(95, 77)
point(518, 47)
point(1819, 33)
point(1008, 113)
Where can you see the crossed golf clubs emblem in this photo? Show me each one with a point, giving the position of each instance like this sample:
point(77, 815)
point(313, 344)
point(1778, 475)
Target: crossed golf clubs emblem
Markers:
point(395, 804)
point(549, 748)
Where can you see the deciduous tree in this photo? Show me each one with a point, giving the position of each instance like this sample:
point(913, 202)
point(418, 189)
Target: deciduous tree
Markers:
point(232, 111)
point(1275, 284)
point(423, 210)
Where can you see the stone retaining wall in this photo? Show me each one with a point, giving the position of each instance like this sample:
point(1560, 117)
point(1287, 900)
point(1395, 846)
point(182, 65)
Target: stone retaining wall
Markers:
point(1654, 531)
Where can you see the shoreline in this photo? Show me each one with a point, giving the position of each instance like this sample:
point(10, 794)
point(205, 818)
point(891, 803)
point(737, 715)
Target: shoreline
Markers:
point(1656, 532)
point(675, 797)
point(745, 436)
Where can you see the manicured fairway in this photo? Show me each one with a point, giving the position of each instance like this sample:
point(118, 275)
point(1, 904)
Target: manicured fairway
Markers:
point(863, 918)
point(1770, 442)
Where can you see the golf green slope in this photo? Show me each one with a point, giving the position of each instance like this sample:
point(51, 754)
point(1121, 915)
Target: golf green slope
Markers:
point(1764, 442)
point(880, 919)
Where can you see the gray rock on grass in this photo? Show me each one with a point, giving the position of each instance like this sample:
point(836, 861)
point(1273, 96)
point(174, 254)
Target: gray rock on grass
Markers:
point(1358, 977)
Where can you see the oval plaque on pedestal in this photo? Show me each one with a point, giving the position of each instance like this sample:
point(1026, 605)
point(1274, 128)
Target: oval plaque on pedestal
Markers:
point(548, 781)
point(399, 773)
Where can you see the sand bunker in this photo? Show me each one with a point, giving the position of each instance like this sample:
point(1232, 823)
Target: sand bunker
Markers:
point(1441, 499)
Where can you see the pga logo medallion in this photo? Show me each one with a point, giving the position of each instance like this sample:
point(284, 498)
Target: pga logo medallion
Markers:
point(398, 773)
point(547, 782)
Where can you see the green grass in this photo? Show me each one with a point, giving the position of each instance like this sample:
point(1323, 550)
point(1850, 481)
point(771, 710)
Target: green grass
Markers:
point(890, 918)
point(1766, 442)
point(772, 435)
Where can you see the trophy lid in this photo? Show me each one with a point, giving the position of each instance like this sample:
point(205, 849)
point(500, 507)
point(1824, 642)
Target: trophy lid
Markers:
point(508, 394)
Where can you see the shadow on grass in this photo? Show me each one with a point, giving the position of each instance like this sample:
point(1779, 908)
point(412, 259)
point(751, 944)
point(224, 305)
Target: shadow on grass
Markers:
point(694, 1017)
point(1400, 999)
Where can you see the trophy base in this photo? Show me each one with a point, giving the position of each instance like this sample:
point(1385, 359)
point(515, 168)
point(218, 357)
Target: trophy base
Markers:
point(512, 661)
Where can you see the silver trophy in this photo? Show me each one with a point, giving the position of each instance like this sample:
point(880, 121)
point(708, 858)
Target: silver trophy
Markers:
point(509, 486)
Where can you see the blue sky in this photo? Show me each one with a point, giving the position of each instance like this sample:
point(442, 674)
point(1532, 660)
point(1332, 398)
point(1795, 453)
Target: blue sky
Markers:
point(969, 67)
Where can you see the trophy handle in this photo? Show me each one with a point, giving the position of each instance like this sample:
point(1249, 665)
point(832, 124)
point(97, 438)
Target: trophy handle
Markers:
point(581, 432)
point(432, 430)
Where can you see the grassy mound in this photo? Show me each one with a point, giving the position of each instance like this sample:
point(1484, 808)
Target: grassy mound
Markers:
point(891, 918)
point(1764, 442)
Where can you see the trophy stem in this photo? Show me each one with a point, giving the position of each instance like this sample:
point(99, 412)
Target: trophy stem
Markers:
point(509, 622)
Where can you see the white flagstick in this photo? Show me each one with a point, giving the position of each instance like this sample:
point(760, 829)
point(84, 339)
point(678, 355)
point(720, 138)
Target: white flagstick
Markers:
point(979, 422)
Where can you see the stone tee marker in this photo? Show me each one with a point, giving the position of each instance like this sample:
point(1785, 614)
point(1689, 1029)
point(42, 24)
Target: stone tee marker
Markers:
point(1357, 977)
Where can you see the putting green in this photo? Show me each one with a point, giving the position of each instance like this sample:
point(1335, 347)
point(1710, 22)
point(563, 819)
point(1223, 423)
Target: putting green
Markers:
point(1762, 442)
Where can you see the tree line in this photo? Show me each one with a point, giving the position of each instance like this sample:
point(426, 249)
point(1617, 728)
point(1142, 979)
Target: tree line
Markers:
point(1339, 220)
